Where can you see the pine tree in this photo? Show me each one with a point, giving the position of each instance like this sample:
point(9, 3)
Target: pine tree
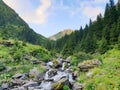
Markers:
point(103, 47)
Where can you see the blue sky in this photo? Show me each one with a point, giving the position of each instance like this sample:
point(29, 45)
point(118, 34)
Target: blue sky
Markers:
point(48, 17)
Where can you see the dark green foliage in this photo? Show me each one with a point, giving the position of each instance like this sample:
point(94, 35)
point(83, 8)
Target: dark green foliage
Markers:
point(98, 36)
point(79, 57)
point(12, 26)
point(103, 46)
point(2, 67)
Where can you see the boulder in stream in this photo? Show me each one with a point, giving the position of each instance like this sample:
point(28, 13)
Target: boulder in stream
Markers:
point(40, 77)
point(56, 64)
point(5, 86)
point(52, 72)
point(19, 82)
point(60, 84)
point(30, 84)
point(77, 86)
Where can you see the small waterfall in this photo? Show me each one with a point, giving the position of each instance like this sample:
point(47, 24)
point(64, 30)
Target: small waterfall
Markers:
point(65, 73)
point(59, 76)
point(45, 85)
point(71, 78)
point(63, 65)
point(49, 64)
point(46, 76)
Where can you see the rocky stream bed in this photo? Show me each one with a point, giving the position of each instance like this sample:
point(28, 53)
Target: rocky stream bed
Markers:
point(58, 74)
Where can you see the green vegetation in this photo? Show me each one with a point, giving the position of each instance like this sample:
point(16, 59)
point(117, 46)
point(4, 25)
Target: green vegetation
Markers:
point(66, 87)
point(17, 57)
point(13, 27)
point(107, 76)
point(79, 57)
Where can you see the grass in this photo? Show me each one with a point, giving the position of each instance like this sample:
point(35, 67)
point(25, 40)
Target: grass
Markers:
point(107, 76)
point(13, 57)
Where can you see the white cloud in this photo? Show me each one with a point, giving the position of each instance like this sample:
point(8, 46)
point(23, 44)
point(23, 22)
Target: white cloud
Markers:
point(42, 11)
point(39, 15)
point(100, 1)
point(92, 12)
point(28, 12)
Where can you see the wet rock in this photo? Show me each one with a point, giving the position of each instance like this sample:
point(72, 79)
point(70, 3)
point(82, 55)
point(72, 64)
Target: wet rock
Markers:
point(60, 75)
point(30, 84)
point(5, 86)
point(31, 88)
point(52, 72)
point(19, 76)
point(75, 75)
point(68, 59)
point(60, 84)
point(19, 88)
point(18, 82)
point(49, 80)
point(77, 86)
point(1, 88)
point(56, 64)
point(60, 59)
point(50, 64)
point(40, 77)
point(45, 85)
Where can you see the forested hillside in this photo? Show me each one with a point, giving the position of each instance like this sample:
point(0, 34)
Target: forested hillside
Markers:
point(97, 37)
point(12, 26)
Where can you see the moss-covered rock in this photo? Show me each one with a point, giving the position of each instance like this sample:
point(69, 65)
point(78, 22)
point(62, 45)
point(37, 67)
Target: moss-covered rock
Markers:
point(86, 65)
point(60, 84)
point(56, 64)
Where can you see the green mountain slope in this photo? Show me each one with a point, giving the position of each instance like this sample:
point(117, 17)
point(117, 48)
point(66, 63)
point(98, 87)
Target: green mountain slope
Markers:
point(12, 26)
point(61, 34)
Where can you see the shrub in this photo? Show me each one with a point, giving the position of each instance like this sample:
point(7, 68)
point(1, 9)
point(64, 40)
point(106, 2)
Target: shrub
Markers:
point(65, 87)
point(2, 67)
point(90, 86)
point(79, 57)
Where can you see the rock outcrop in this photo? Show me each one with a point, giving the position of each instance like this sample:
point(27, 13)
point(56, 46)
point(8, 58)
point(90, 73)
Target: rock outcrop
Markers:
point(86, 65)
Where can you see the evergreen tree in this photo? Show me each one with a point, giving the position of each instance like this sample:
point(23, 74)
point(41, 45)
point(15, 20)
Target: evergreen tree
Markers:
point(103, 46)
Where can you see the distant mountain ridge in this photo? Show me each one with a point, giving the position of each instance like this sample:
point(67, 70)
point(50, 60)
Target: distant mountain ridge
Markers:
point(61, 34)
point(13, 27)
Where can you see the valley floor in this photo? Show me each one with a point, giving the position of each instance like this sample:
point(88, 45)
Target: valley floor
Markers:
point(23, 65)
